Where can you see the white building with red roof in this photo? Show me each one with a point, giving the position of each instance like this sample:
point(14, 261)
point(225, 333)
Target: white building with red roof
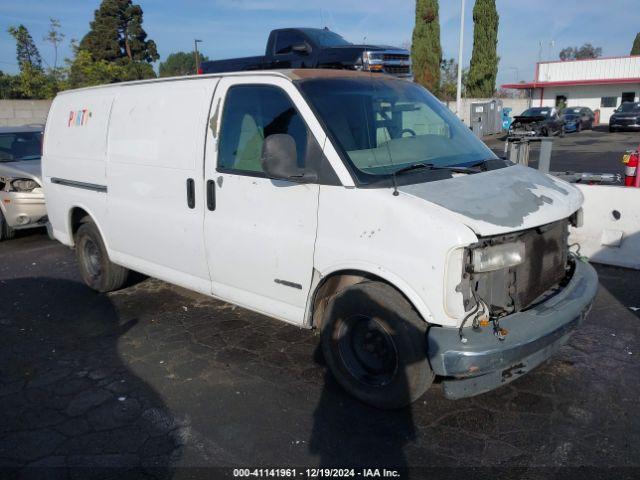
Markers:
point(599, 83)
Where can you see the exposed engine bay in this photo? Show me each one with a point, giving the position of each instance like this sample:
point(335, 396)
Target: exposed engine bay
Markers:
point(541, 268)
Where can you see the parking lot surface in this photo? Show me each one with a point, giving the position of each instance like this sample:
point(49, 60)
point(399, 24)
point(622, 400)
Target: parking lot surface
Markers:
point(157, 381)
point(595, 151)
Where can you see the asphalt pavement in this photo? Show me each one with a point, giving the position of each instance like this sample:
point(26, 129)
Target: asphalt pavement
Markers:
point(594, 151)
point(159, 382)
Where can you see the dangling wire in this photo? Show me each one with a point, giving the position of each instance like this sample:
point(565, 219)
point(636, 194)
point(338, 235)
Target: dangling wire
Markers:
point(473, 313)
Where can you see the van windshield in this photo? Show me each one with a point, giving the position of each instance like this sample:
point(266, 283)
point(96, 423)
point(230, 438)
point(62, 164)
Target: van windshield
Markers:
point(385, 126)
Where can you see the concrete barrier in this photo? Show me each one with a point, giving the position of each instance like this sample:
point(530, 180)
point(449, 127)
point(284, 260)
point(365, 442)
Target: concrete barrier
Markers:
point(610, 233)
point(23, 112)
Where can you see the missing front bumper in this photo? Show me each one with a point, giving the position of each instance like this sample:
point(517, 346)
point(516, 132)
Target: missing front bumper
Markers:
point(485, 362)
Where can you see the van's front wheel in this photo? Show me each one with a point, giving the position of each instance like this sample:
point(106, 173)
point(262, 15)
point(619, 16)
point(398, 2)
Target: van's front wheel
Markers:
point(96, 270)
point(374, 342)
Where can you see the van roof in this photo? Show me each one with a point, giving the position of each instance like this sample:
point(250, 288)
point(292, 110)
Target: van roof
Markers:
point(290, 74)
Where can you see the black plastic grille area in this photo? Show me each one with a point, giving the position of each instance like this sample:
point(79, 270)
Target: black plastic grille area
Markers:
point(396, 56)
point(397, 70)
point(510, 290)
point(546, 260)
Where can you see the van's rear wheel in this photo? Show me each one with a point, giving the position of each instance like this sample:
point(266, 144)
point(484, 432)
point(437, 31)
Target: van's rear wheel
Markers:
point(96, 270)
point(6, 232)
point(374, 342)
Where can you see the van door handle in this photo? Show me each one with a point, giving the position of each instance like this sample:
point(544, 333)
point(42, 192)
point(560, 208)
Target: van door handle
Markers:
point(191, 193)
point(211, 195)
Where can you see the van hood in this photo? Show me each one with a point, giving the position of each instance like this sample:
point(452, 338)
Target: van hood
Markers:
point(501, 201)
point(22, 169)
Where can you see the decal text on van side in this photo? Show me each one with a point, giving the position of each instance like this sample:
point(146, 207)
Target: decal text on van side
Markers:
point(78, 118)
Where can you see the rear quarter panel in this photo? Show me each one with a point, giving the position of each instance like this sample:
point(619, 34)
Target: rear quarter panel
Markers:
point(75, 149)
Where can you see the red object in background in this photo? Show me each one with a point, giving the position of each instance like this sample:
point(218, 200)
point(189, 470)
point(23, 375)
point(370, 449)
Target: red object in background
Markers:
point(199, 71)
point(631, 177)
point(596, 117)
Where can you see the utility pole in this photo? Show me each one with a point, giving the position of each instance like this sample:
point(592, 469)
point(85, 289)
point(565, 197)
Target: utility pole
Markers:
point(459, 87)
point(195, 52)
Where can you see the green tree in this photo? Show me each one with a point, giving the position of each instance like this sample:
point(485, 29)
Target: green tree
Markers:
point(580, 53)
point(426, 52)
point(7, 86)
point(481, 82)
point(27, 53)
point(449, 80)
point(33, 82)
point(84, 71)
point(55, 38)
point(180, 63)
point(116, 34)
point(635, 50)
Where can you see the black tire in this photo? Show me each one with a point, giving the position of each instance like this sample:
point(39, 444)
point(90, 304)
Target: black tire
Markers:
point(579, 129)
point(375, 344)
point(96, 270)
point(544, 132)
point(561, 132)
point(611, 129)
point(6, 232)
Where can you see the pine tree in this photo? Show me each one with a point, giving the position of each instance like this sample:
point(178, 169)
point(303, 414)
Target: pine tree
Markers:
point(635, 50)
point(27, 53)
point(180, 63)
point(481, 82)
point(116, 34)
point(426, 52)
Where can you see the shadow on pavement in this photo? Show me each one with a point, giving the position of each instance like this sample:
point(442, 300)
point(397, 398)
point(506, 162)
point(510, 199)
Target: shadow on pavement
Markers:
point(66, 398)
point(347, 432)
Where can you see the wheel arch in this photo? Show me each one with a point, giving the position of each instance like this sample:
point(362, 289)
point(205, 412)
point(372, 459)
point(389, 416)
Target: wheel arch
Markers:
point(74, 219)
point(328, 283)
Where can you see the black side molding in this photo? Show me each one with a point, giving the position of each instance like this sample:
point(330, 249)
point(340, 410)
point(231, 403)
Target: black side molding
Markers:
point(85, 186)
point(286, 283)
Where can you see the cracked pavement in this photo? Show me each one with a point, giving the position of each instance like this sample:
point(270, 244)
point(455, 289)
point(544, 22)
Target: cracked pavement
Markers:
point(154, 378)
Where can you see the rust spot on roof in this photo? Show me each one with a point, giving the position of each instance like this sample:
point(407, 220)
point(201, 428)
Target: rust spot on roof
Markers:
point(308, 73)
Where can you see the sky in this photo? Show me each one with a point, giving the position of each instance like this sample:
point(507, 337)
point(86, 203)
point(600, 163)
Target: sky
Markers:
point(231, 28)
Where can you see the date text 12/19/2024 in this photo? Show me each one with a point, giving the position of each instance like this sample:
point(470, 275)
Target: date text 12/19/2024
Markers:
point(315, 473)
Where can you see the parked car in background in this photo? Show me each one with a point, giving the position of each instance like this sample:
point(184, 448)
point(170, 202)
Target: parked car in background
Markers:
point(577, 118)
point(353, 203)
point(626, 117)
point(21, 196)
point(537, 121)
point(318, 48)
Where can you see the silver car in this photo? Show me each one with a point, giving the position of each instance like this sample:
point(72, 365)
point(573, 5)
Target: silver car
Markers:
point(21, 196)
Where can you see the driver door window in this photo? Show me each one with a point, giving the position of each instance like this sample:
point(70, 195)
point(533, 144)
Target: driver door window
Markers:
point(252, 113)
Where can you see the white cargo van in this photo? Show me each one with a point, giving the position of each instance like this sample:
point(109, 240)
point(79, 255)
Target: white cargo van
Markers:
point(350, 202)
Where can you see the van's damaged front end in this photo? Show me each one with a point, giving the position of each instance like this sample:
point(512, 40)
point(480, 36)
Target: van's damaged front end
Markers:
point(517, 316)
point(522, 292)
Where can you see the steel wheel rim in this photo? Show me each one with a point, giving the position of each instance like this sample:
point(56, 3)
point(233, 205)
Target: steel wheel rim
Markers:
point(91, 258)
point(367, 350)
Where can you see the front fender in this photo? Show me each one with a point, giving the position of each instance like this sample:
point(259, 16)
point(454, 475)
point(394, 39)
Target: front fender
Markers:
point(365, 268)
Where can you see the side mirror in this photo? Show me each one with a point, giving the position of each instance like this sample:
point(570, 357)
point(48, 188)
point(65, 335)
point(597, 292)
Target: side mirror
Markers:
point(279, 159)
point(301, 48)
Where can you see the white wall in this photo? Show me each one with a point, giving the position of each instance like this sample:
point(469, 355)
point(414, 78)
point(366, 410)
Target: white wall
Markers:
point(587, 96)
point(592, 69)
point(14, 113)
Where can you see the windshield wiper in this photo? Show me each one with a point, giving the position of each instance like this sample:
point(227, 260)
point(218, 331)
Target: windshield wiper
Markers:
point(415, 166)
